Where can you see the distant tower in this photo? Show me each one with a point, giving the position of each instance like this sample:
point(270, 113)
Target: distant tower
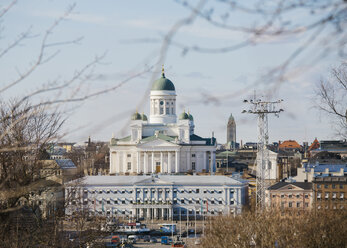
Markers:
point(231, 133)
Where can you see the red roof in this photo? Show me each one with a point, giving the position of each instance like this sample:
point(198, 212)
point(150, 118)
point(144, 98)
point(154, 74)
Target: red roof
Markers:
point(315, 145)
point(289, 144)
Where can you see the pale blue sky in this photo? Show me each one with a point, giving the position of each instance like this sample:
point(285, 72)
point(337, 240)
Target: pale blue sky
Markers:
point(119, 28)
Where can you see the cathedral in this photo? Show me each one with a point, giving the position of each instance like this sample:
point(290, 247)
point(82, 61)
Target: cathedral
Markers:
point(162, 143)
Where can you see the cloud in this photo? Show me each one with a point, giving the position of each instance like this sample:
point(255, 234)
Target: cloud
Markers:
point(196, 74)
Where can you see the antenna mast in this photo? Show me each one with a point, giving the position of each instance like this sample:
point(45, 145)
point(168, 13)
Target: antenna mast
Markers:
point(262, 109)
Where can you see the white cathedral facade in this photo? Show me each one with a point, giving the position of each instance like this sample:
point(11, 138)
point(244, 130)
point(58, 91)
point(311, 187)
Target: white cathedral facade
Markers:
point(162, 143)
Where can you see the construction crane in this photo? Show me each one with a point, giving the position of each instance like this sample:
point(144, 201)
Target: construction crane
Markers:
point(262, 109)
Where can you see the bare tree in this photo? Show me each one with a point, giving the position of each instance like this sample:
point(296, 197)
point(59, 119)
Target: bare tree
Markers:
point(332, 98)
point(325, 228)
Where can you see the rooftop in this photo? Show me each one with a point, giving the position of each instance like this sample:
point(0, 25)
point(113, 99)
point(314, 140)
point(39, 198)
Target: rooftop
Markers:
point(303, 185)
point(157, 180)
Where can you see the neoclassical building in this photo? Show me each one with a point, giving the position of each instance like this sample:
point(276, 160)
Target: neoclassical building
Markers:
point(162, 143)
point(156, 196)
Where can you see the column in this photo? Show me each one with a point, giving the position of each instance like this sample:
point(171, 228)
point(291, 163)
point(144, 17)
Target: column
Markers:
point(145, 163)
point(125, 164)
point(138, 163)
point(153, 169)
point(161, 162)
point(148, 213)
point(176, 158)
point(189, 166)
point(155, 213)
point(163, 213)
point(205, 161)
point(169, 162)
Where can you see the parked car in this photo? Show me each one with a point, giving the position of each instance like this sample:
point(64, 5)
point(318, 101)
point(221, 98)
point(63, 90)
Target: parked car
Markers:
point(147, 238)
point(132, 239)
point(179, 244)
point(153, 240)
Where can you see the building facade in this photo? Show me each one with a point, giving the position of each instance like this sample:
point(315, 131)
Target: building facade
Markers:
point(330, 192)
point(290, 196)
point(162, 144)
point(157, 196)
point(231, 133)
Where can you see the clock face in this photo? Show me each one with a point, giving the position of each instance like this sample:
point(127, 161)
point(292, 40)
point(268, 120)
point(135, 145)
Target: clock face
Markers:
point(161, 102)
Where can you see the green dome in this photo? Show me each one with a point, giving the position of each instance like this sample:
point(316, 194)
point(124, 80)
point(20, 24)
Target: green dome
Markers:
point(163, 84)
point(136, 116)
point(190, 117)
point(184, 116)
point(144, 117)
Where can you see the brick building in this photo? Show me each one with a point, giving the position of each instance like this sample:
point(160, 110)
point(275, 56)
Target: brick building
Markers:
point(330, 192)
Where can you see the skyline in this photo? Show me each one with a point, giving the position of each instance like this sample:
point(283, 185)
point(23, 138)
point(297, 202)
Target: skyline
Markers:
point(210, 86)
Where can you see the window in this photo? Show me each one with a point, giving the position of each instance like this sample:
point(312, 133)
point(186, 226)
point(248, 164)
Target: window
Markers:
point(212, 191)
point(129, 155)
point(167, 111)
point(197, 191)
point(161, 103)
point(306, 196)
point(282, 195)
point(172, 111)
point(334, 195)
point(290, 196)
point(161, 110)
point(108, 201)
point(174, 201)
point(306, 205)
point(333, 186)
point(205, 191)
point(190, 201)
point(197, 201)
point(115, 201)
point(193, 166)
point(319, 186)
point(108, 191)
point(220, 202)
point(298, 204)
point(273, 196)
point(290, 204)
point(341, 186)
point(182, 201)
point(100, 191)
point(212, 201)
point(231, 202)
point(319, 195)
point(341, 196)
point(189, 191)
point(123, 201)
point(129, 165)
point(193, 155)
point(326, 186)
point(326, 195)
point(297, 196)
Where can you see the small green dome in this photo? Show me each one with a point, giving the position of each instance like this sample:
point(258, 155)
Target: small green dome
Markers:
point(184, 116)
point(144, 117)
point(190, 117)
point(163, 83)
point(136, 116)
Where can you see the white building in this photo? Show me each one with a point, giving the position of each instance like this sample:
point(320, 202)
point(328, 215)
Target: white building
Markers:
point(156, 196)
point(162, 144)
point(272, 166)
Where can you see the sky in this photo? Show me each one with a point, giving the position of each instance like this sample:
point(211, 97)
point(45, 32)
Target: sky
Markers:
point(129, 35)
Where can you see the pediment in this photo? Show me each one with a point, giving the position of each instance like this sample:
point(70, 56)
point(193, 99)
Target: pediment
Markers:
point(156, 143)
point(290, 187)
